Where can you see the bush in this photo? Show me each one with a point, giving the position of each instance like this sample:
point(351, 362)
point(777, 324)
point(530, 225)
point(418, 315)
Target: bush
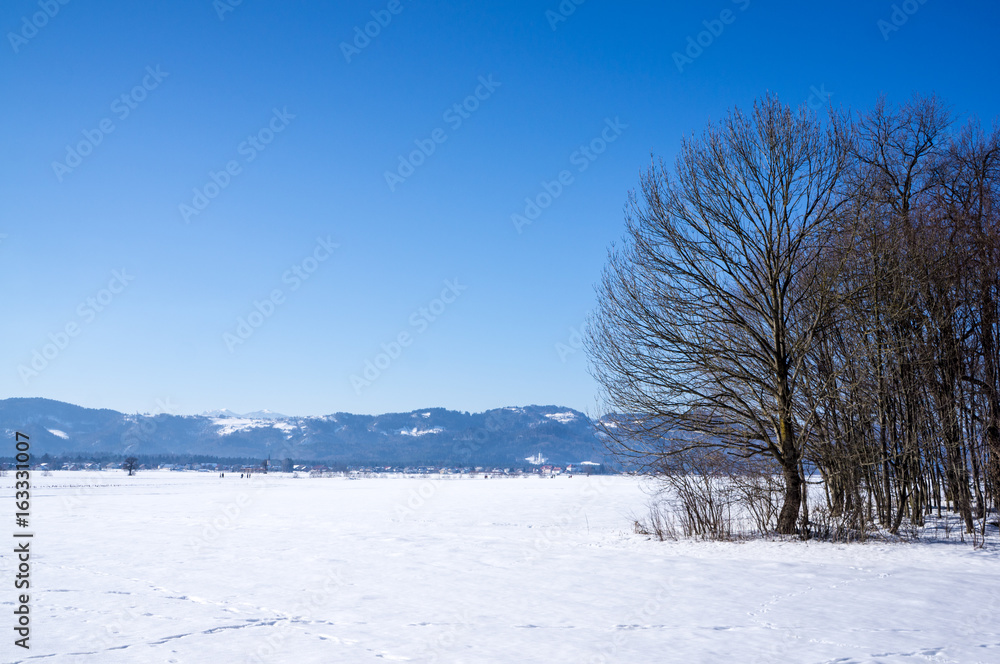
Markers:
point(659, 523)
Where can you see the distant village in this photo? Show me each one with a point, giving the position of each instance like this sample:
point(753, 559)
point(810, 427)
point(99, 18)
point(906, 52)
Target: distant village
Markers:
point(320, 469)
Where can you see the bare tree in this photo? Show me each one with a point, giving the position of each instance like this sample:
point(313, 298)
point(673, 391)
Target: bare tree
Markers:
point(708, 310)
point(131, 464)
point(912, 419)
point(874, 423)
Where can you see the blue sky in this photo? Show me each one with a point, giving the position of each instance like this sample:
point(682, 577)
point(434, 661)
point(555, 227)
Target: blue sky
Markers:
point(117, 115)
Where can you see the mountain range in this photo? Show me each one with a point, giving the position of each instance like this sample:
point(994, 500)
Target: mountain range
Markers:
point(430, 436)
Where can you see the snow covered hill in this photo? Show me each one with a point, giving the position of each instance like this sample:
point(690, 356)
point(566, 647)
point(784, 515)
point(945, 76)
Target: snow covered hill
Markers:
point(504, 436)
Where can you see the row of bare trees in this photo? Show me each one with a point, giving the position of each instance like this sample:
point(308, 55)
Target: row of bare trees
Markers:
point(820, 293)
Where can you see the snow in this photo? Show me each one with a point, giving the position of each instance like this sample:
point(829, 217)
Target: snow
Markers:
point(265, 415)
point(57, 432)
point(231, 425)
point(189, 568)
point(255, 415)
point(222, 412)
point(415, 431)
point(562, 418)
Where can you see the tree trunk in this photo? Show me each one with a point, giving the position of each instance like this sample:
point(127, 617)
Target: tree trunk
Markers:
point(789, 516)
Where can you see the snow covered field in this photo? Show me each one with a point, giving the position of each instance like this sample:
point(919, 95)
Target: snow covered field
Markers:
point(188, 567)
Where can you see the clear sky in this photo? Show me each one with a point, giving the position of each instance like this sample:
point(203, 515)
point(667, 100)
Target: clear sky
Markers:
point(171, 168)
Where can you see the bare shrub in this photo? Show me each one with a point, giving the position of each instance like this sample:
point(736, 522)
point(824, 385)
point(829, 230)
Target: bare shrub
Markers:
point(699, 493)
point(659, 523)
point(759, 490)
point(828, 526)
point(854, 520)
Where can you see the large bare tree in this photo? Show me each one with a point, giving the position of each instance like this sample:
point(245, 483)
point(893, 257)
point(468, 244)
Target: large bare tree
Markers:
point(708, 309)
